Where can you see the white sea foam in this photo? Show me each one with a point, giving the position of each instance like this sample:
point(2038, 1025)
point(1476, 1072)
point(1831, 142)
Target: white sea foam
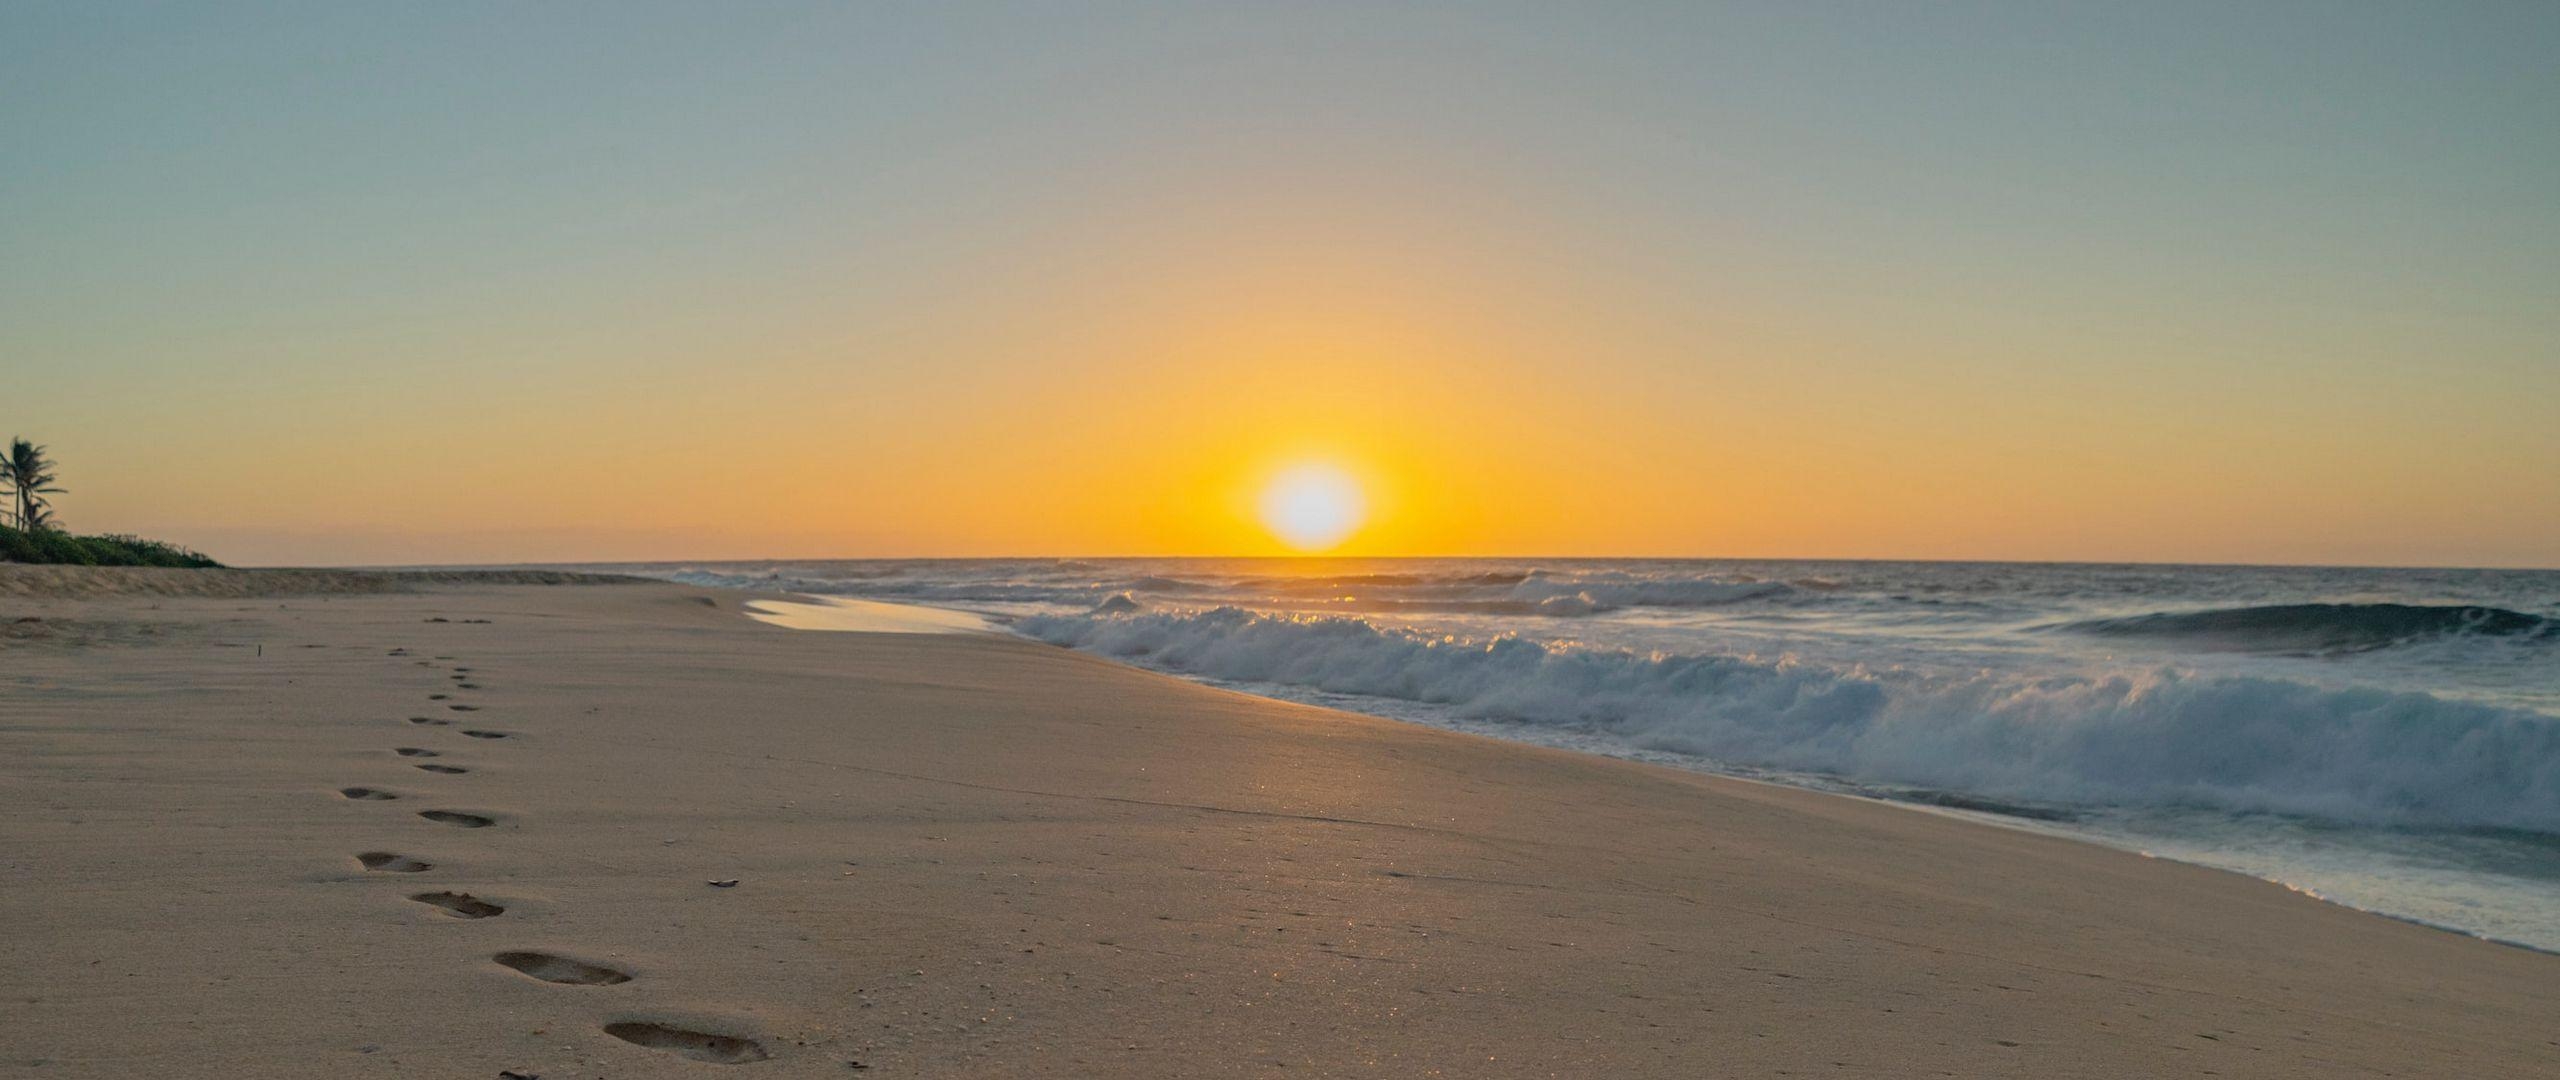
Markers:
point(2146, 736)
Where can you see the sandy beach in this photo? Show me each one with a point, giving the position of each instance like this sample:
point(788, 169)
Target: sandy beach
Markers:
point(345, 825)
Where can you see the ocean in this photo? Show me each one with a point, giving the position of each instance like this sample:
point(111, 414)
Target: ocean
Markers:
point(2383, 738)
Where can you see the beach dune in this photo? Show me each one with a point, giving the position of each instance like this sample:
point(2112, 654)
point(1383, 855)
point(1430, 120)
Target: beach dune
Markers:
point(349, 825)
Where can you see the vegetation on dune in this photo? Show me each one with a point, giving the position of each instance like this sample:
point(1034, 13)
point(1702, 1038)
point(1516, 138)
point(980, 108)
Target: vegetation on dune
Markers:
point(29, 533)
point(50, 546)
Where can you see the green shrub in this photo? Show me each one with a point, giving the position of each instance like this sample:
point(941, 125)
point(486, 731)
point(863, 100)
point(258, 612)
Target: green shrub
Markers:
point(21, 546)
point(151, 552)
point(64, 548)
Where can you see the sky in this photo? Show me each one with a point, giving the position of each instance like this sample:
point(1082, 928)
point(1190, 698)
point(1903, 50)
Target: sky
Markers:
point(366, 284)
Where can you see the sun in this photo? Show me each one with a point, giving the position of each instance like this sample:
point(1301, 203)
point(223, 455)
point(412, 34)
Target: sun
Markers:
point(1314, 506)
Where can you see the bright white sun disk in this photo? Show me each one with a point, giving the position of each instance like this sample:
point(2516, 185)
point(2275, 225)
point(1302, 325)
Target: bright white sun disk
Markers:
point(1313, 507)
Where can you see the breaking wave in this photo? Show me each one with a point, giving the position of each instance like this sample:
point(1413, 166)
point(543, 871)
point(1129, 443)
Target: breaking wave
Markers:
point(2147, 738)
point(1596, 595)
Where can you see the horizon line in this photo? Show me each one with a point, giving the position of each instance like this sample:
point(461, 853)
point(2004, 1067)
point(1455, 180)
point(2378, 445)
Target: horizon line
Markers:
point(2163, 563)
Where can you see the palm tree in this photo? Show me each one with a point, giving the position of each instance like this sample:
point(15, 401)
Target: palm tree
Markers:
point(30, 473)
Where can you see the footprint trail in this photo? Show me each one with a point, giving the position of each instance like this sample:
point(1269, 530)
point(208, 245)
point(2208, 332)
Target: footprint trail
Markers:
point(561, 969)
point(698, 1045)
point(460, 905)
point(458, 819)
point(390, 863)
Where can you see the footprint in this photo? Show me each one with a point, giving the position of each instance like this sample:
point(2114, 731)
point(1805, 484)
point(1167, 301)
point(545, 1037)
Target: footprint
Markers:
point(367, 794)
point(462, 708)
point(560, 969)
point(448, 770)
point(457, 678)
point(478, 734)
point(438, 697)
point(457, 819)
point(389, 863)
point(416, 751)
point(460, 905)
point(698, 1045)
point(466, 686)
point(429, 720)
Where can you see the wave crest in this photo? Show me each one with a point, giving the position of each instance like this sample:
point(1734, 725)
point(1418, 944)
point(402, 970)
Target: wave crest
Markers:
point(1564, 595)
point(2160, 737)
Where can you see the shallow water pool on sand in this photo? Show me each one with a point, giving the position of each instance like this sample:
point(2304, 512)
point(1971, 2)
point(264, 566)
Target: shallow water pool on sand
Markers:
point(867, 617)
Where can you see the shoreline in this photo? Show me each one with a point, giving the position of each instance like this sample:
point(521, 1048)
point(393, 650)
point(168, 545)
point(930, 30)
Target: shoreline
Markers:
point(1036, 860)
point(2019, 822)
point(985, 623)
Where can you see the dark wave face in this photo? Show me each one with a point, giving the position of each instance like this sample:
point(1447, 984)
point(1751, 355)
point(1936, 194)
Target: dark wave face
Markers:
point(2324, 628)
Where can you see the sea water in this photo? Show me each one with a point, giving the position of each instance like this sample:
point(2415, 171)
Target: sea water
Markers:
point(2387, 739)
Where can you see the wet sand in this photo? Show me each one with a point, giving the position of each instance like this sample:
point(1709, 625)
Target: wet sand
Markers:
point(334, 826)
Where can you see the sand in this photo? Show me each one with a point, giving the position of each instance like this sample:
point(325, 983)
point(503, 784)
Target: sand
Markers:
point(961, 855)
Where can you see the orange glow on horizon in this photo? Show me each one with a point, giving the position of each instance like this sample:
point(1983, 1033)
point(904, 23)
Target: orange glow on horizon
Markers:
point(1055, 403)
